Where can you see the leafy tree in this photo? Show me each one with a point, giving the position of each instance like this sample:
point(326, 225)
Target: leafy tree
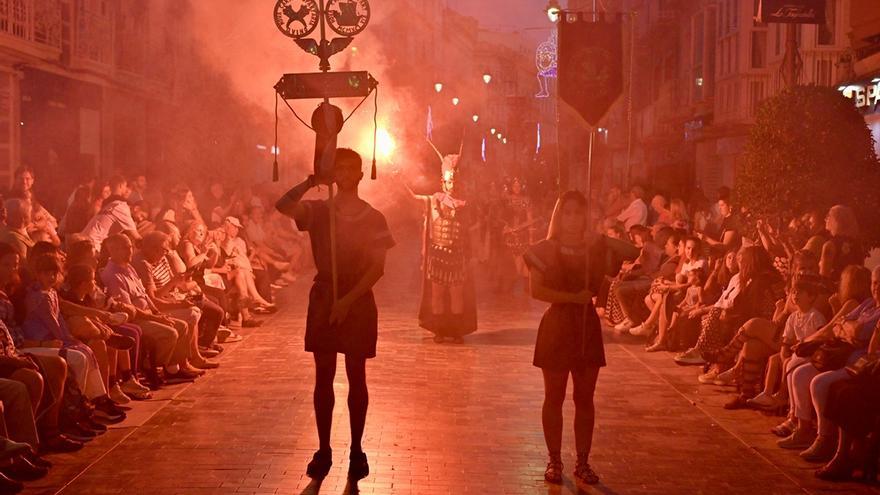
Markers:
point(810, 148)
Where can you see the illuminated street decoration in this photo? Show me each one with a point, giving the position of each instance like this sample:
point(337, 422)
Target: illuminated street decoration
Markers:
point(538, 144)
point(545, 60)
point(429, 126)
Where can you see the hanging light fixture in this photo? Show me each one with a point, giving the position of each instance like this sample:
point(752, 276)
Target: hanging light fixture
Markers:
point(455, 101)
point(487, 78)
point(554, 10)
point(438, 87)
point(476, 118)
point(492, 131)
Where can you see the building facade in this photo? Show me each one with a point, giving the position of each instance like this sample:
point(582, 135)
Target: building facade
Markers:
point(76, 80)
point(699, 71)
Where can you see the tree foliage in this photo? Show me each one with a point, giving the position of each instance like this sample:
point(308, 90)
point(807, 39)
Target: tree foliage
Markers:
point(810, 148)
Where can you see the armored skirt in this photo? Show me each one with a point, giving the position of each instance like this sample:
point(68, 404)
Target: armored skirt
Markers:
point(570, 335)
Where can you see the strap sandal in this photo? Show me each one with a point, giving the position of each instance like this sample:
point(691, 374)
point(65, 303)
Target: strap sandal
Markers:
point(584, 473)
point(553, 473)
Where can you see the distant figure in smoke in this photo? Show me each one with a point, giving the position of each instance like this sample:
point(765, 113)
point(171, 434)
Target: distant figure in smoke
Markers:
point(448, 308)
point(569, 338)
point(519, 226)
point(348, 325)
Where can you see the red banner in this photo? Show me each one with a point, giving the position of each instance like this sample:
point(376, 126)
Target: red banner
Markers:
point(590, 64)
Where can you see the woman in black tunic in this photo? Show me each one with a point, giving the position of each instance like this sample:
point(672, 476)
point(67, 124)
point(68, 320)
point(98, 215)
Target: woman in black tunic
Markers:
point(570, 335)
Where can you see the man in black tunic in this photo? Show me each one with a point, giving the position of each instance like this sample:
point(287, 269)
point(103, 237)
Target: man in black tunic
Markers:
point(347, 325)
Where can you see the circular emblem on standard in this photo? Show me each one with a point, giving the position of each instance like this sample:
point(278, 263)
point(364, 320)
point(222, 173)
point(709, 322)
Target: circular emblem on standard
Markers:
point(348, 17)
point(296, 18)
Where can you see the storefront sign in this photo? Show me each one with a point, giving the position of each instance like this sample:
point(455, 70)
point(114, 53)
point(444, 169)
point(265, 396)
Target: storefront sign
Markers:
point(865, 95)
point(791, 11)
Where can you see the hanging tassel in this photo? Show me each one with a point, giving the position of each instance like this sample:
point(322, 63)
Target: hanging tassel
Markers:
point(375, 129)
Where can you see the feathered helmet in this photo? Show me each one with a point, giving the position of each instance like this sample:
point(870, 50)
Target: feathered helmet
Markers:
point(448, 163)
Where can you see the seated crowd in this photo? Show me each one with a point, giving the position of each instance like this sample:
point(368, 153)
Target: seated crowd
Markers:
point(786, 315)
point(119, 299)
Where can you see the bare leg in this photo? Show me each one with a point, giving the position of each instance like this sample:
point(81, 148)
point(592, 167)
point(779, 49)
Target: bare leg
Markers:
point(555, 383)
point(324, 398)
point(774, 374)
point(253, 292)
point(584, 409)
point(358, 399)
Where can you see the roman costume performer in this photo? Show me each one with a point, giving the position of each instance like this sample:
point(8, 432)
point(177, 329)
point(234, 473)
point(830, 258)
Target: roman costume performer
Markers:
point(448, 307)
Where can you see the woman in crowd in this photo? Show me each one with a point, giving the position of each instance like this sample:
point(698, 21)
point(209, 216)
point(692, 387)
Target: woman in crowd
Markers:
point(43, 225)
point(569, 337)
point(843, 248)
point(234, 250)
point(670, 293)
point(122, 339)
point(180, 207)
point(730, 235)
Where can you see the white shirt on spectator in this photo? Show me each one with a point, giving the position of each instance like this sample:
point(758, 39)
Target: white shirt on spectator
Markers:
point(113, 217)
point(692, 265)
point(801, 325)
point(729, 294)
point(634, 214)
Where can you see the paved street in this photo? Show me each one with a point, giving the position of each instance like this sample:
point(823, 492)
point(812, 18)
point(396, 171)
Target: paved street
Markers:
point(443, 419)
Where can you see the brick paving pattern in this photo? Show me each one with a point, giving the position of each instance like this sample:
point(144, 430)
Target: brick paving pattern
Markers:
point(443, 419)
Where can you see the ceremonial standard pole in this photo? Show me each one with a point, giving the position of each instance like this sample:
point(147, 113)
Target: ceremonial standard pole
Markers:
point(346, 18)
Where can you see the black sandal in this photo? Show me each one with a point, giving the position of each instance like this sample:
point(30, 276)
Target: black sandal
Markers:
point(320, 465)
point(584, 473)
point(553, 473)
point(358, 468)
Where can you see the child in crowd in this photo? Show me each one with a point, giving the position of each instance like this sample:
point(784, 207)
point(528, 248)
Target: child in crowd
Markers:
point(805, 320)
point(44, 322)
point(693, 298)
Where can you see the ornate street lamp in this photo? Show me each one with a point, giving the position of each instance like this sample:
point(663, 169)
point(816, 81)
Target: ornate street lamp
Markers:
point(438, 87)
point(554, 10)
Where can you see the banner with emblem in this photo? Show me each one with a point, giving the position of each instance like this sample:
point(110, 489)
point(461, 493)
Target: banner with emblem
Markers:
point(590, 65)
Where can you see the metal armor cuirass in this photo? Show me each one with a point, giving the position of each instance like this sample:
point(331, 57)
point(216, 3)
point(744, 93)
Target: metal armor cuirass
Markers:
point(447, 250)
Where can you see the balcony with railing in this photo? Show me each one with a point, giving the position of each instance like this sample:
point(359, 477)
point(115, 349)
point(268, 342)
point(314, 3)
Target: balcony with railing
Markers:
point(31, 26)
point(93, 38)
